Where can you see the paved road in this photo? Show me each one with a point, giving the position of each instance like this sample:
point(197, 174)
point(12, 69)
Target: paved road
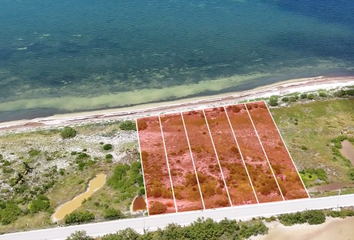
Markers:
point(152, 223)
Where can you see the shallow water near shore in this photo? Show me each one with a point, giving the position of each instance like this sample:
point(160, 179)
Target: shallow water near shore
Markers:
point(75, 55)
point(74, 204)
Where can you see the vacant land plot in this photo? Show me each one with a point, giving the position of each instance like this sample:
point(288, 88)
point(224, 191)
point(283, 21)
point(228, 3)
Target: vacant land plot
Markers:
point(42, 169)
point(313, 132)
point(213, 158)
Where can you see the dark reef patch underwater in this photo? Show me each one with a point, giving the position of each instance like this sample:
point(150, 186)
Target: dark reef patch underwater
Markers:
point(82, 55)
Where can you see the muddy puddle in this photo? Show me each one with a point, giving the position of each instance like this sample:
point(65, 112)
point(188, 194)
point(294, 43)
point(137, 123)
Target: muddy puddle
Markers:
point(138, 204)
point(348, 150)
point(74, 204)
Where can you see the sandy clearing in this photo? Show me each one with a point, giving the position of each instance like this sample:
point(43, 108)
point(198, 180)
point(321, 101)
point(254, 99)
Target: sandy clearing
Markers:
point(341, 229)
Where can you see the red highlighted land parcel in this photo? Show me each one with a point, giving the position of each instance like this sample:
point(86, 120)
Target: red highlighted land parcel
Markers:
point(217, 157)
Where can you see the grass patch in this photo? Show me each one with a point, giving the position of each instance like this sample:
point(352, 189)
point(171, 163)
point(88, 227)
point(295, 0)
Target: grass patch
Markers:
point(319, 124)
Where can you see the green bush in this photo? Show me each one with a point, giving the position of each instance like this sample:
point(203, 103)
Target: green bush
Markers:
point(107, 147)
point(311, 96)
point(311, 217)
point(79, 217)
point(67, 132)
point(9, 212)
point(41, 203)
point(303, 96)
point(343, 213)
point(127, 125)
point(109, 157)
point(202, 229)
point(127, 179)
point(344, 93)
point(291, 219)
point(314, 217)
point(79, 235)
point(322, 94)
point(273, 101)
point(311, 174)
point(82, 156)
point(33, 152)
point(285, 99)
point(111, 214)
point(351, 174)
point(304, 148)
point(293, 99)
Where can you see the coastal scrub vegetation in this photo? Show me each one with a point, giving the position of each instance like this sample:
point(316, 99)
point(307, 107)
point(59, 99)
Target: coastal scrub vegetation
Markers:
point(127, 180)
point(79, 217)
point(202, 229)
point(313, 174)
point(274, 101)
point(313, 132)
point(226, 229)
point(127, 125)
point(312, 217)
point(38, 172)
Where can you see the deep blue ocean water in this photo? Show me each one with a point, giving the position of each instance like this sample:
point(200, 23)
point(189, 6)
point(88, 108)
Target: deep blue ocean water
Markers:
point(74, 48)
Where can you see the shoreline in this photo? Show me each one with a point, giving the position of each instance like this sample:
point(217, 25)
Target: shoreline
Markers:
point(280, 88)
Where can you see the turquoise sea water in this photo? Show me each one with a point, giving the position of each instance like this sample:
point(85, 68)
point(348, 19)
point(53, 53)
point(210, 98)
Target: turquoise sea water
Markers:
point(53, 52)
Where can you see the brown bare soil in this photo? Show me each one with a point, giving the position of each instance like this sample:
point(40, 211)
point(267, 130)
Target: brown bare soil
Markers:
point(262, 178)
point(185, 186)
point(139, 204)
point(156, 175)
point(279, 158)
point(232, 166)
point(209, 175)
